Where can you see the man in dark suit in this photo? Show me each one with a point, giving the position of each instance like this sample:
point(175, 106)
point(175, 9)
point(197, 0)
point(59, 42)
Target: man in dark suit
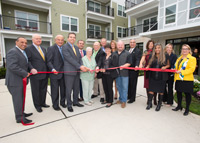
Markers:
point(16, 70)
point(37, 62)
point(80, 45)
point(55, 63)
point(98, 53)
point(72, 62)
point(133, 74)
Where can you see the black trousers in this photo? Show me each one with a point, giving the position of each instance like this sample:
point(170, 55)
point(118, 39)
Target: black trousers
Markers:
point(107, 81)
point(132, 86)
point(188, 99)
point(81, 90)
point(17, 98)
point(72, 83)
point(39, 91)
point(168, 94)
point(56, 86)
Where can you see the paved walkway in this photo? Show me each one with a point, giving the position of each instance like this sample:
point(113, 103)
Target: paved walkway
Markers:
point(97, 124)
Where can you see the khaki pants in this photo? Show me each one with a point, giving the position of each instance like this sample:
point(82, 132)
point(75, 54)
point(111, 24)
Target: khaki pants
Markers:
point(98, 82)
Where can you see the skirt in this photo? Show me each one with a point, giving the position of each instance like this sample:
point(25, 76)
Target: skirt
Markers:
point(184, 86)
point(146, 80)
point(157, 85)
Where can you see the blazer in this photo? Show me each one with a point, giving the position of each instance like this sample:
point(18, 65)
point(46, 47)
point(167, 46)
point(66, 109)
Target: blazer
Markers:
point(112, 63)
point(98, 57)
point(136, 56)
point(71, 61)
point(84, 52)
point(188, 71)
point(36, 61)
point(55, 61)
point(16, 67)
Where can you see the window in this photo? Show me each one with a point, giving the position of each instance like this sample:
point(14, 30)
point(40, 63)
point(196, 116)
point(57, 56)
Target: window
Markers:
point(94, 31)
point(150, 23)
point(194, 9)
point(27, 20)
point(72, 1)
point(121, 32)
point(140, 46)
point(170, 14)
point(92, 6)
point(121, 11)
point(69, 23)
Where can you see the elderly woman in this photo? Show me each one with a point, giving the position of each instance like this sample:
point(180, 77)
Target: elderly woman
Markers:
point(184, 77)
point(87, 78)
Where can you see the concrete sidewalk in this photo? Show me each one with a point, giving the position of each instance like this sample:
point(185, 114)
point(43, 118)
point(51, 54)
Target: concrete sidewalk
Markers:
point(97, 124)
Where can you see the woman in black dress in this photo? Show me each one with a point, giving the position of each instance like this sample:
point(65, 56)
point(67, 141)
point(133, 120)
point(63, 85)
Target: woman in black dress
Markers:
point(168, 95)
point(157, 80)
point(108, 61)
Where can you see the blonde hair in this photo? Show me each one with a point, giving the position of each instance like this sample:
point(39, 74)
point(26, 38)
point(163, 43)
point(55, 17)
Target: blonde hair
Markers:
point(161, 58)
point(113, 41)
point(165, 50)
point(186, 45)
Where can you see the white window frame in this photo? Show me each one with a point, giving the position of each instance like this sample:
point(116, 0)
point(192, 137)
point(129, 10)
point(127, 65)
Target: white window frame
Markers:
point(188, 17)
point(122, 31)
point(27, 20)
point(94, 28)
point(149, 18)
point(61, 29)
point(69, 1)
point(123, 11)
point(171, 14)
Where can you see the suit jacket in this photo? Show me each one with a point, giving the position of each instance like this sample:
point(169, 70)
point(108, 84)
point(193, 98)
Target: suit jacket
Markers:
point(84, 52)
point(55, 61)
point(136, 56)
point(16, 67)
point(36, 61)
point(98, 57)
point(71, 61)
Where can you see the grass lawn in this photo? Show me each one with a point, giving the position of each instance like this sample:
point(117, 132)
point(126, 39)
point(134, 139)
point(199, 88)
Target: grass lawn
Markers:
point(194, 106)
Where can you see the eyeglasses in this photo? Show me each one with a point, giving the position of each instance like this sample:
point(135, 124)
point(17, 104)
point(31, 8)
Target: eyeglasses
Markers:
point(184, 49)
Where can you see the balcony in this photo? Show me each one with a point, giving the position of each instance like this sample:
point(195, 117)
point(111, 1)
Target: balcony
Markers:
point(93, 35)
point(142, 28)
point(99, 12)
point(8, 23)
point(139, 8)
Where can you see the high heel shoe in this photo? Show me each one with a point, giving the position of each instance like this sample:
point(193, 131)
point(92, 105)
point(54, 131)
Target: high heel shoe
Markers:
point(107, 106)
point(177, 108)
point(186, 113)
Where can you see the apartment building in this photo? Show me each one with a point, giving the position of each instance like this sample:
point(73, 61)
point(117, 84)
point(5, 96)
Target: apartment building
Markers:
point(164, 21)
point(24, 18)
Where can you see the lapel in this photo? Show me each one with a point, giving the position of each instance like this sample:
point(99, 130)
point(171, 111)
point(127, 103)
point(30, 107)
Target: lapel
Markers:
point(58, 51)
point(21, 54)
point(184, 60)
point(71, 50)
point(37, 52)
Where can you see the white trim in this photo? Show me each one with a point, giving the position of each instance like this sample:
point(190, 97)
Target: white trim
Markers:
point(188, 16)
point(123, 11)
point(122, 31)
point(28, 20)
point(69, 1)
point(62, 15)
point(176, 13)
point(95, 2)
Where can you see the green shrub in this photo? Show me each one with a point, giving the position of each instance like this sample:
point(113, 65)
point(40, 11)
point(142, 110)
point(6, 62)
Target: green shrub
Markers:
point(141, 73)
point(2, 72)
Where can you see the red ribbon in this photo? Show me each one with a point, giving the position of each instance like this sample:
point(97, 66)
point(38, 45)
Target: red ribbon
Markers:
point(43, 72)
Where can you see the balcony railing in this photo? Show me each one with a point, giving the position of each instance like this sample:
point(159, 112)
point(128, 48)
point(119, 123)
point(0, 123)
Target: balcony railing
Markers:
point(132, 3)
point(136, 30)
point(21, 24)
point(97, 8)
point(96, 34)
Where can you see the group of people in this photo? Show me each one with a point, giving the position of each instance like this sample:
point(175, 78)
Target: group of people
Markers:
point(95, 72)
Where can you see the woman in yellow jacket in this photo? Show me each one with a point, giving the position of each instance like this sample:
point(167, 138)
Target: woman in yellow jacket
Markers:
point(185, 66)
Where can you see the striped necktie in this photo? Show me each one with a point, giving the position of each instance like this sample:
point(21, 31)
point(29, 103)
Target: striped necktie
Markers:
point(40, 51)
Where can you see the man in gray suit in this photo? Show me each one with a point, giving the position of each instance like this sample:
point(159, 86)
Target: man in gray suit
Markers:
point(17, 67)
point(72, 62)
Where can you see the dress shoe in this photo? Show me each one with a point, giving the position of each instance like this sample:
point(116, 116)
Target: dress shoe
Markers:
point(93, 96)
point(28, 114)
point(64, 105)
point(186, 113)
point(177, 108)
point(88, 103)
point(56, 108)
point(39, 110)
point(91, 101)
point(78, 105)
point(130, 101)
point(123, 105)
point(101, 99)
point(45, 106)
point(107, 106)
point(115, 98)
point(26, 121)
point(70, 109)
point(80, 99)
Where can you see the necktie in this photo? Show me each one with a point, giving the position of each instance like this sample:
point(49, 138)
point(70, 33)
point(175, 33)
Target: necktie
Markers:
point(74, 50)
point(130, 50)
point(60, 48)
point(82, 53)
point(25, 55)
point(40, 51)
